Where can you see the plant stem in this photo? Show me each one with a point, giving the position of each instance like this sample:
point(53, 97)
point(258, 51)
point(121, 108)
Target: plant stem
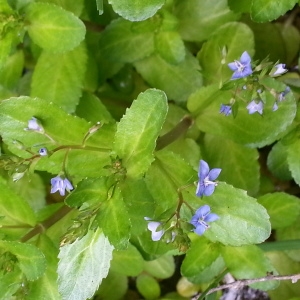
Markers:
point(39, 228)
point(171, 136)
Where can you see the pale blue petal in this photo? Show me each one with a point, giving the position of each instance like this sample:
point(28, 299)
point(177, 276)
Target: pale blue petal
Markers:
point(214, 173)
point(245, 58)
point(203, 170)
point(211, 218)
point(202, 211)
point(200, 229)
point(209, 190)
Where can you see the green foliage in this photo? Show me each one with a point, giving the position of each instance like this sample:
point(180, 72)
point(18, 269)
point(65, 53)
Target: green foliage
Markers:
point(106, 108)
point(89, 265)
point(53, 28)
point(135, 10)
point(138, 130)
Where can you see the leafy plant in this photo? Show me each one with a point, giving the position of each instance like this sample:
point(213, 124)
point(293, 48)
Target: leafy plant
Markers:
point(149, 148)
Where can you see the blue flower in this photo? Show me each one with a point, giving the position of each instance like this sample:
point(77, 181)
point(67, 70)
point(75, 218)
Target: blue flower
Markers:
point(201, 217)
point(206, 185)
point(61, 185)
point(280, 70)
point(225, 109)
point(275, 106)
point(152, 226)
point(242, 68)
point(43, 152)
point(283, 94)
point(255, 107)
point(33, 124)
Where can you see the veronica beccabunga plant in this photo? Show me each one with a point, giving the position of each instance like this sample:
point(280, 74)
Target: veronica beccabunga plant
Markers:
point(144, 140)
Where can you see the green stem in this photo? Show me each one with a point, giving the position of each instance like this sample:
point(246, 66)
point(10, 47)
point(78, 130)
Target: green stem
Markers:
point(171, 136)
point(41, 227)
point(280, 245)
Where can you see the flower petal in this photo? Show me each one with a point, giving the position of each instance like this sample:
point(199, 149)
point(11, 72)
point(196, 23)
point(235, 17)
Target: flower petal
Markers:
point(245, 58)
point(211, 218)
point(202, 211)
point(200, 229)
point(209, 189)
point(200, 189)
point(203, 170)
point(214, 173)
point(233, 66)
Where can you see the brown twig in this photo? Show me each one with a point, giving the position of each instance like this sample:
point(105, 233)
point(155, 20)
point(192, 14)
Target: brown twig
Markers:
point(241, 283)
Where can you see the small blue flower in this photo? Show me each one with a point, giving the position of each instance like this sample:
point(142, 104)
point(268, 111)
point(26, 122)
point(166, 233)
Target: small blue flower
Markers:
point(225, 109)
point(275, 106)
point(255, 107)
point(242, 68)
point(206, 185)
point(201, 217)
point(152, 226)
point(61, 185)
point(283, 94)
point(33, 124)
point(43, 152)
point(280, 70)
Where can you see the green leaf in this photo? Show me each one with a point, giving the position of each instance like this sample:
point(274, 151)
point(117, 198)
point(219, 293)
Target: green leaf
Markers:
point(240, 166)
point(277, 161)
point(170, 46)
point(291, 40)
point(268, 10)
point(16, 112)
point(128, 262)
point(269, 41)
point(31, 260)
point(293, 160)
point(242, 6)
point(120, 39)
point(138, 130)
point(251, 130)
point(291, 233)
point(178, 81)
point(242, 220)
point(89, 192)
point(14, 208)
point(32, 189)
point(82, 265)
point(212, 61)
point(74, 7)
point(12, 70)
point(10, 283)
point(249, 262)
point(207, 15)
point(114, 220)
point(136, 10)
point(139, 203)
point(148, 287)
point(193, 263)
point(113, 287)
point(163, 267)
point(58, 78)
point(165, 190)
point(282, 208)
point(284, 265)
point(91, 108)
point(53, 28)
point(46, 286)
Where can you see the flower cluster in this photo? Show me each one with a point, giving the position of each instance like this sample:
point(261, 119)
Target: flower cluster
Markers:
point(205, 187)
point(242, 68)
